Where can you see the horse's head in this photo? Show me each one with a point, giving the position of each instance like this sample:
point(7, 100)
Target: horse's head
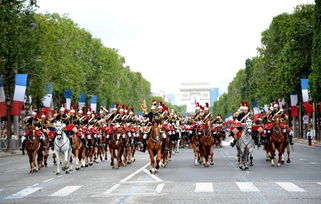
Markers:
point(59, 130)
point(155, 132)
point(31, 133)
point(249, 125)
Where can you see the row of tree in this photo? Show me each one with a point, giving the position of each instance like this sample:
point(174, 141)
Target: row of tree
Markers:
point(291, 50)
point(53, 48)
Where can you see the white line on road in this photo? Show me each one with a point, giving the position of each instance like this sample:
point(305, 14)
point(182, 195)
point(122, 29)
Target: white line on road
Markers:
point(152, 175)
point(159, 188)
point(247, 187)
point(36, 184)
point(319, 183)
point(114, 187)
point(133, 174)
point(46, 181)
point(203, 187)
point(66, 191)
point(1, 190)
point(23, 193)
point(290, 187)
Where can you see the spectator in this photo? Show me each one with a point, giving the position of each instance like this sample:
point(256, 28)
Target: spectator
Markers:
point(310, 136)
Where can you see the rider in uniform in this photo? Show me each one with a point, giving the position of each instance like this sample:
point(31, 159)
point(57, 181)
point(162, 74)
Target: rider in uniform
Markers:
point(240, 117)
point(153, 114)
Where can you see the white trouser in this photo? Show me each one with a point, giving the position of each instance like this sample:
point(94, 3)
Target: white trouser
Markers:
point(23, 138)
point(145, 136)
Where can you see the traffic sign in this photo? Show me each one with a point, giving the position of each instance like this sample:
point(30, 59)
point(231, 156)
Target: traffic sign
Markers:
point(305, 119)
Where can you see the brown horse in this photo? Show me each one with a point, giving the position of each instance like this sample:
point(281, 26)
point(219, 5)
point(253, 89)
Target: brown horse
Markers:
point(195, 143)
point(278, 141)
point(33, 147)
point(154, 147)
point(207, 145)
point(166, 152)
point(79, 152)
point(45, 149)
point(116, 143)
point(102, 153)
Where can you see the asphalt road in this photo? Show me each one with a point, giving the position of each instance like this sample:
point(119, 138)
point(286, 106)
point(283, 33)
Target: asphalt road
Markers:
point(179, 182)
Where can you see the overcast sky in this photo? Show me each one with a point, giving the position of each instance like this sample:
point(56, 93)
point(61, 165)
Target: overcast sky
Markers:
point(174, 41)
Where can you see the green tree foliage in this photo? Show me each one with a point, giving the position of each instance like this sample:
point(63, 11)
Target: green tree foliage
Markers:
point(284, 58)
point(53, 48)
point(315, 77)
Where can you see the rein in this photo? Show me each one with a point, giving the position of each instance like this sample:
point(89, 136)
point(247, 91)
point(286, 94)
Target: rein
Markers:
point(61, 145)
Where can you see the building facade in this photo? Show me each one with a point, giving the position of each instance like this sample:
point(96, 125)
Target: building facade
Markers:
point(214, 95)
point(194, 92)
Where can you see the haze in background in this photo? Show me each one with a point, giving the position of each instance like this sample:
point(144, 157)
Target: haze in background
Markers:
point(173, 41)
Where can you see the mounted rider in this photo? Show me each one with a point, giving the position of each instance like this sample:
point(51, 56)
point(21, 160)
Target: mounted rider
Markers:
point(276, 111)
point(240, 117)
point(32, 121)
point(151, 117)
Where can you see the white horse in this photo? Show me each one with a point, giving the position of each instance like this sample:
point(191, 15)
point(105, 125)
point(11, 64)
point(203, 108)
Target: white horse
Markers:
point(245, 146)
point(62, 149)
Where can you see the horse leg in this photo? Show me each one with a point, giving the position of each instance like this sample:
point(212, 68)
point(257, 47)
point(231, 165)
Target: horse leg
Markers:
point(54, 158)
point(158, 158)
point(34, 156)
point(152, 161)
point(112, 155)
point(212, 154)
point(58, 163)
point(30, 162)
point(119, 154)
point(272, 152)
point(288, 149)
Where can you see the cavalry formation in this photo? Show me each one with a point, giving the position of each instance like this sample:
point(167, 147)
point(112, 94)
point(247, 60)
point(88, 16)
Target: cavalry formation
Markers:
point(86, 136)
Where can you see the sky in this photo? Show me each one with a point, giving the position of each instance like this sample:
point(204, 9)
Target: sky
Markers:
point(175, 41)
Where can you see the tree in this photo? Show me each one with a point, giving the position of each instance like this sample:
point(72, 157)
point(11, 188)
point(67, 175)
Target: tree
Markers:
point(315, 76)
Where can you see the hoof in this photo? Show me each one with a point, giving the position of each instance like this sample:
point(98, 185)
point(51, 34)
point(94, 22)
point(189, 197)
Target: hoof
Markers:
point(77, 169)
point(90, 164)
point(279, 164)
point(67, 172)
point(86, 165)
point(58, 173)
point(288, 161)
point(251, 164)
point(212, 163)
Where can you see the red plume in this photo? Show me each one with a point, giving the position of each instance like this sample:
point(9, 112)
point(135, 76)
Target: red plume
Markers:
point(206, 104)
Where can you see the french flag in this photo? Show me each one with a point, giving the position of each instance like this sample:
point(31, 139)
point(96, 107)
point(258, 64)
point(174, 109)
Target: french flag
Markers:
point(93, 103)
point(67, 95)
point(3, 103)
point(256, 111)
point(294, 102)
point(19, 94)
point(48, 98)
point(82, 101)
point(305, 95)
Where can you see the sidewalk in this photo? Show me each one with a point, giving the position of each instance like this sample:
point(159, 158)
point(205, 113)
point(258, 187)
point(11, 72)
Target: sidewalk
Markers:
point(305, 141)
point(4, 153)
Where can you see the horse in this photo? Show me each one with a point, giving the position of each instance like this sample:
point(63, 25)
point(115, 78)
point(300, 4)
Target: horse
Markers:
point(277, 141)
point(245, 146)
point(116, 143)
point(206, 144)
point(62, 149)
point(154, 147)
point(102, 153)
point(33, 147)
point(45, 148)
point(79, 150)
point(195, 143)
point(218, 135)
point(166, 151)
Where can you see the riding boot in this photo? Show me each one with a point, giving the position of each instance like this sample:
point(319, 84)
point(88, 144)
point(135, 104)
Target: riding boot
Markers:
point(23, 147)
point(71, 143)
point(42, 144)
point(163, 144)
point(144, 146)
point(84, 142)
point(290, 139)
point(234, 142)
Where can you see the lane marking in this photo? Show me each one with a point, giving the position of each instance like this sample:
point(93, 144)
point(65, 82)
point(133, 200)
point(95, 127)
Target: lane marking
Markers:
point(34, 185)
point(247, 187)
point(129, 182)
point(66, 191)
point(159, 188)
point(46, 181)
point(203, 187)
point(152, 175)
point(133, 174)
point(24, 192)
point(114, 187)
point(1, 190)
point(319, 183)
point(290, 187)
